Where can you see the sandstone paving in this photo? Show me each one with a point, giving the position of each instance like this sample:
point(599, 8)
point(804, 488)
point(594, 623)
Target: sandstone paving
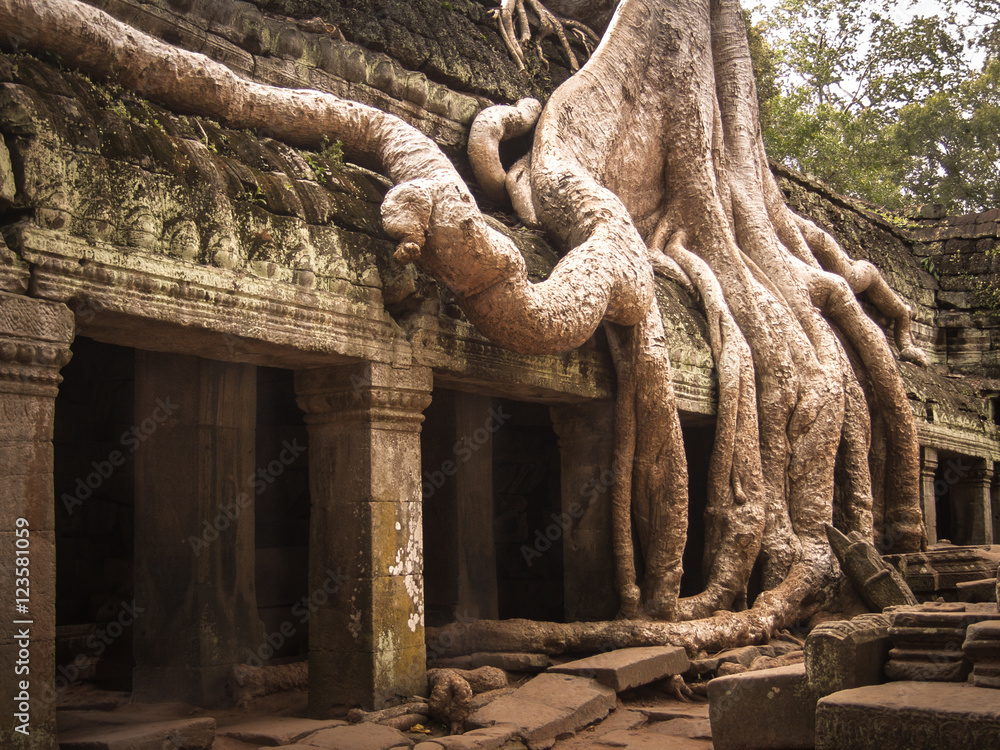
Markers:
point(189, 734)
point(548, 706)
point(911, 715)
point(272, 731)
point(626, 668)
point(363, 736)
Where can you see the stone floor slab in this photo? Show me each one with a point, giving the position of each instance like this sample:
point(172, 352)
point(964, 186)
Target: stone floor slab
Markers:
point(272, 731)
point(911, 715)
point(548, 706)
point(487, 738)
point(626, 668)
point(363, 736)
point(184, 734)
point(695, 729)
point(639, 739)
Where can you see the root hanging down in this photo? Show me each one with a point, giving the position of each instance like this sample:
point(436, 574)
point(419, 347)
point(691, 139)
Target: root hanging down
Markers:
point(649, 157)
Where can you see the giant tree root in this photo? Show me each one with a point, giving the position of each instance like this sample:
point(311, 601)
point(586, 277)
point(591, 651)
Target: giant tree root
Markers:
point(773, 610)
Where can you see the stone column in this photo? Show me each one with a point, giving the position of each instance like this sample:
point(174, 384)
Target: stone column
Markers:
point(34, 344)
point(195, 601)
point(457, 488)
point(971, 505)
point(586, 450)
point(366, 631)
point(928, 465)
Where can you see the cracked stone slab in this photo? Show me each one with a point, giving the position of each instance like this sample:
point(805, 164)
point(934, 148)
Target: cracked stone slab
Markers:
point(547, 707)
point(362, 736)
point(183, 734)
point(272, 731)
point(642, 739)
point(487, 738)
point(626, 668)
point(914, 715)
point(776, 707)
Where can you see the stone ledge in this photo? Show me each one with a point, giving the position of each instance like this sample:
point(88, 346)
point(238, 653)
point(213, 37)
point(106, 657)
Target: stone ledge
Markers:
point(911, 715)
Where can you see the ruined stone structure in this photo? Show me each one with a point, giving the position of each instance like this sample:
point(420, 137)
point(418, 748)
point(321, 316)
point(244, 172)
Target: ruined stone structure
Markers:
point(237, 431)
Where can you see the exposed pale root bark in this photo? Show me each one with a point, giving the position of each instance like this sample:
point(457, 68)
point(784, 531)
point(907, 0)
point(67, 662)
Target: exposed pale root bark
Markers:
point(548, 24)
point(734, 518)
point(492, 126)
point(862, 276)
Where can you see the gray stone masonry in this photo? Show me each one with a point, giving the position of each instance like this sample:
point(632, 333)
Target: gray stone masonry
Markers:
point(769, 709)
point(626, 668)
point(911, 715)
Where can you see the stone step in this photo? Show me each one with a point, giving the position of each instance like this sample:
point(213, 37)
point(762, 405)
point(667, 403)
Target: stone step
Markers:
point(626, 668)
point(548, 706)
point(182, 734)
point(273, 731)
point(911, 715)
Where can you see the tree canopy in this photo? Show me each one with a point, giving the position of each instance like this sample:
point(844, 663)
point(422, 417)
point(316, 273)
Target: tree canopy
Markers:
point(883, 101)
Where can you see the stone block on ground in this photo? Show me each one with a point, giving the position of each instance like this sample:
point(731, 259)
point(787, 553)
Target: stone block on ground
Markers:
point(911, 715)
point(272, 731)
point(766, 709)
point(847, 654)
point(927, 640)
point(183, 734)
point(487, 738)
point(982, 649)
point(548, 706)
point(627, 668)
point(356, 737)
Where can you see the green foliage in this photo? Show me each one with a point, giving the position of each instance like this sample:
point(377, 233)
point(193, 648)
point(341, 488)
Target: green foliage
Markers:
point(881, 105)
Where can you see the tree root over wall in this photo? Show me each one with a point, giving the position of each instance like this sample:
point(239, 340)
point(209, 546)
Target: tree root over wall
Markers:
point(648, 160)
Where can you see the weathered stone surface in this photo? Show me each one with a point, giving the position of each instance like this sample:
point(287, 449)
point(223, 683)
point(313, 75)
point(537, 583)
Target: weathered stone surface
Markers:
point(770, 708)
point(275, 730)
point(34, 345)
point(879, 584)
point(982, 648)
point(194, 560)
point(937, 572)
point(547, 706)
point(356, 737)
point(486, 738)
point(184, 734)
point(695, 729)
point(504, 661)
point(366, 643)
point(640, 739)
point(911, 715)
point(675, 710)
point(626, 668)
point(847, 654)
point(927, 640)
point(984, 590)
